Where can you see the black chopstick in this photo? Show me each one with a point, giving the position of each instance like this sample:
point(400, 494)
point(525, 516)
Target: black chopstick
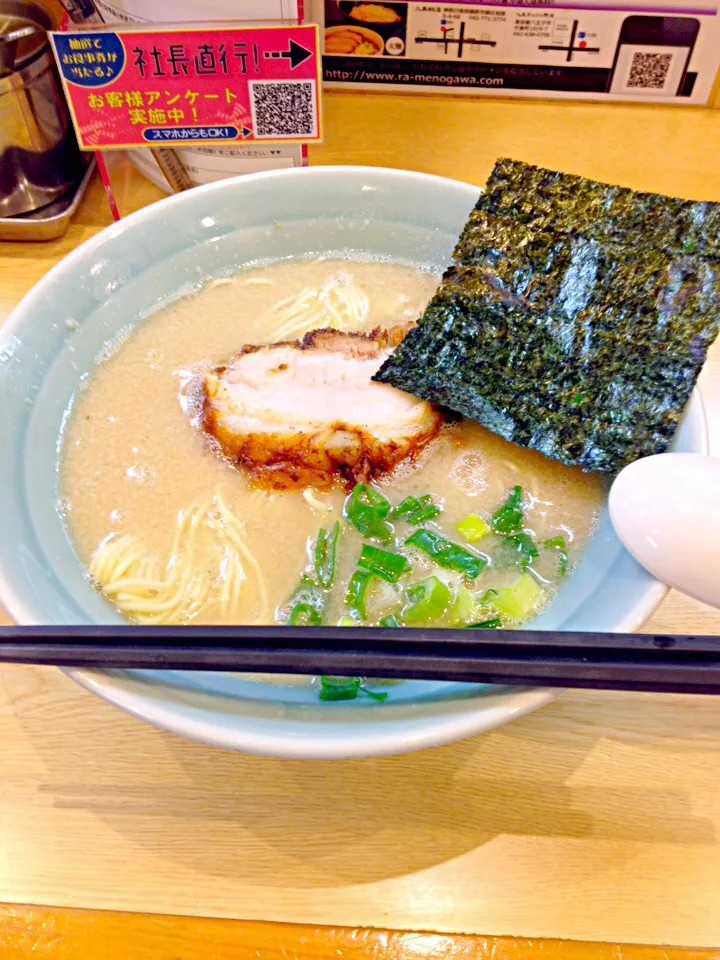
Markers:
point(610, 661)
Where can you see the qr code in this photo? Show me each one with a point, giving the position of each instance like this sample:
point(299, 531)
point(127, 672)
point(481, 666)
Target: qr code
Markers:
point(285, 108)
point(649, 70)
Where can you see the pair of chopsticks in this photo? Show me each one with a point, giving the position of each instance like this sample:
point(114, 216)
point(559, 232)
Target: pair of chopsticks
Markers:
point(608, 661)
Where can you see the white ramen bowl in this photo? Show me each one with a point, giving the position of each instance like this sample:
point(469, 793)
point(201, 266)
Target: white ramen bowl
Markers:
point(50, 346)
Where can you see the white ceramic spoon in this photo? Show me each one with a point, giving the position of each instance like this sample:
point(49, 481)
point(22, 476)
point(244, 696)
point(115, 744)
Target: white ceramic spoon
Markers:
point(666, 512)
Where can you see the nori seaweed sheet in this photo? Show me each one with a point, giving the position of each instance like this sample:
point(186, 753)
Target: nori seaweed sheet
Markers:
point(563, 329)
point(581, 277)
point(561, 201)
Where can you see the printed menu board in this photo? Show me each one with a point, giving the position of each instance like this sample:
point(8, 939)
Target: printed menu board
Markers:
point(569, 48)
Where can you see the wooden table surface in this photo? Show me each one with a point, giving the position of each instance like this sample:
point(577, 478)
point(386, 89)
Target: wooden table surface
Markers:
point(596, 818)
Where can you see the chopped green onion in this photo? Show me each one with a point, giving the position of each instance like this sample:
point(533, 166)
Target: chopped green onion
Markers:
point(509, 517)
point(366, 510)
point(462, 608)
point(493, 624)
point(339, 688)
point(346, 688)
point(555, 542)
point(488, 596)
point(356, 590)
point(383, 563)
point(309, 593)
point(429, 600)
point(472, 527)
point(446, 553)
point(525, 545)
point(347, 621)
point(325, 547)
point(520, 599)
point(390, 621)
point(416, 510)
point(304, 615)
point(558, 543)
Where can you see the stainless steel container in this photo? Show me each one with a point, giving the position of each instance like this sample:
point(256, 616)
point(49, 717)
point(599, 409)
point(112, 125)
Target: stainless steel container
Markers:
point(39, 156)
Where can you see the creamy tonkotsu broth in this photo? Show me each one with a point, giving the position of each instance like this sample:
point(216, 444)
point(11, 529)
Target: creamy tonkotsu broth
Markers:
point(134, 461)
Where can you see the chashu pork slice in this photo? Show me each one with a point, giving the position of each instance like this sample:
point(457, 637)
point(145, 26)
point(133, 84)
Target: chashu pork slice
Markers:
point(306, 413)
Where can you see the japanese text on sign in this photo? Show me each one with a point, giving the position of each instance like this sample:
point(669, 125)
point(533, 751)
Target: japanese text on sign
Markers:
point(132, 88)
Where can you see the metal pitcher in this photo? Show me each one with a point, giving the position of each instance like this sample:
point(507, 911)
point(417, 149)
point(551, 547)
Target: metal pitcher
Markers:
point(39, 156)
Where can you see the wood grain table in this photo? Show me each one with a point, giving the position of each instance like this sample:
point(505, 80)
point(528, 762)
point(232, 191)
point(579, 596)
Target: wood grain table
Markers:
point(594, 819)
